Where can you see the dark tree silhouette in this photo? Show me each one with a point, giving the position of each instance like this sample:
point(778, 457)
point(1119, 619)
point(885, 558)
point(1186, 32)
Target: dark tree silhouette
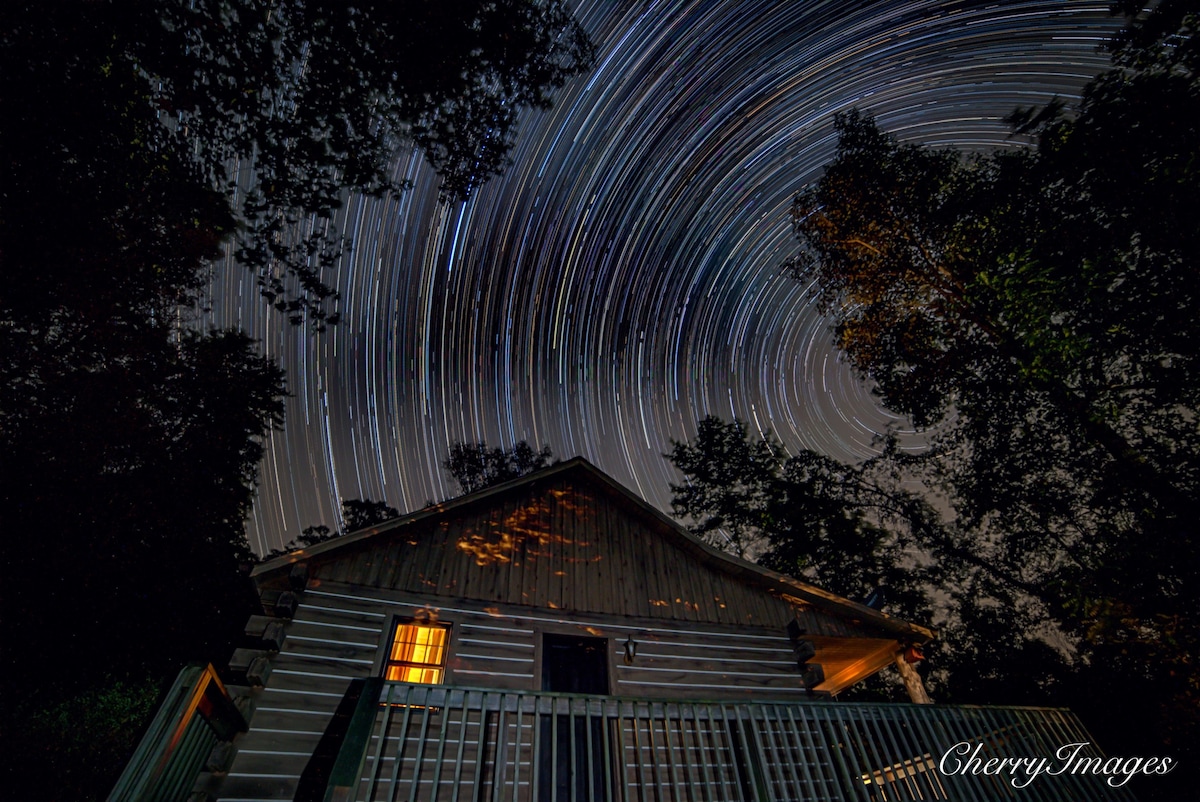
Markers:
point(357, 513)
point(118, 125)
point(803, 515)
point(361, 513)
point(1038, 307)
point(131, 434)
point(854, 530)
point(125, 489)
point(152, 101)
point(475, 466)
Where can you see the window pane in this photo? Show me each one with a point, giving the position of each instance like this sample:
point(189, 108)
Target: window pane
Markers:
point(428, 676)
point(418, 654)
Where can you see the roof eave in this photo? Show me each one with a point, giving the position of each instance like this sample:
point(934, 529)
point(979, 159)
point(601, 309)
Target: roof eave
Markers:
point(770, 580)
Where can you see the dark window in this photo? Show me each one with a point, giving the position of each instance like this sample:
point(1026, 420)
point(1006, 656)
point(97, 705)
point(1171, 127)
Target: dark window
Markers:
point(574, 664)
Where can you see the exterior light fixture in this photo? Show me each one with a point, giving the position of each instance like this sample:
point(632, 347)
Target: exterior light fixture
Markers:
point(630, 651)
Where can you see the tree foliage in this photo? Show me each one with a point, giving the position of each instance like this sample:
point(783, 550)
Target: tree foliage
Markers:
point(357, 514)
point(804, 515)
point(141, 141)
point(1036, 307)
point(475, 466)
point(730, 491)
point(361, 513)
point(137, 469)
point(854, 530)
point(259, 114)
point(92, 731)
point(126, 482)
point(126, 429)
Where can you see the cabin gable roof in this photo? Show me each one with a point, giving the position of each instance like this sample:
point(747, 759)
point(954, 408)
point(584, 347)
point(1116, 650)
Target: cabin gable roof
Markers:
point(569, 537)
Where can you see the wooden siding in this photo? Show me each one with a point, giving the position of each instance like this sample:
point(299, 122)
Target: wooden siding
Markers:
point(561, 554)
point(500, 648)
point(327, 645)
point(565, 544)
point(340, 631)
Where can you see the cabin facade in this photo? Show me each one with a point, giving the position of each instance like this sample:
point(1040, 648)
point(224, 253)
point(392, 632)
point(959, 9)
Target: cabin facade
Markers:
point(555, 638)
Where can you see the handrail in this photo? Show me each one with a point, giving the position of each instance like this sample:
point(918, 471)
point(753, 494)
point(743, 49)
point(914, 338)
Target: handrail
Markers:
point(428, 742)
point(195, 715)
point(347, 769)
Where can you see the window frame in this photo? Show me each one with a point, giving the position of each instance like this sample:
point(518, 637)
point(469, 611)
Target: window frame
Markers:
point(386, 663)
point(573, 631)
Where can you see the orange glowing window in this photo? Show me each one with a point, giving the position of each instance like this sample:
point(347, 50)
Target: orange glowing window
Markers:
point(418, 653)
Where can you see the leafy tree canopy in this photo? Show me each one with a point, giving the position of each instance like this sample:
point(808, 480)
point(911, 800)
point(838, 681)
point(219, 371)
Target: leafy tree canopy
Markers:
point(141, 141)
point(125, 486)
point(854, 530)
point(361, 513)
point(475, 466)
point(260, 114)
point(126, 429)
point(357, 513)
point(799, 515)
point(1036, 307)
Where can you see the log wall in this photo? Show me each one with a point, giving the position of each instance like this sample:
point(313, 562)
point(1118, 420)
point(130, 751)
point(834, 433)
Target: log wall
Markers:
point(341, 632)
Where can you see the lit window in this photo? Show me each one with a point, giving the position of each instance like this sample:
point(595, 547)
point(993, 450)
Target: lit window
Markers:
point(418, 653)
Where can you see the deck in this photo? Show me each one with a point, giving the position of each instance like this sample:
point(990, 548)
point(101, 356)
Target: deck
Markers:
point(448, 743)
point(396, 741)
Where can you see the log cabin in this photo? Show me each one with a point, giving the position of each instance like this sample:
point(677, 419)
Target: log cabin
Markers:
point(557, 638)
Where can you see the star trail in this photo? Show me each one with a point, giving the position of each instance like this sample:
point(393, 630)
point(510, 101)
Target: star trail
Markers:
point(622, 279)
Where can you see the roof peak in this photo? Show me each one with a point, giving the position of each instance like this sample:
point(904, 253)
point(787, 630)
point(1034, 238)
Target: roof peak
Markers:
point(735, 566)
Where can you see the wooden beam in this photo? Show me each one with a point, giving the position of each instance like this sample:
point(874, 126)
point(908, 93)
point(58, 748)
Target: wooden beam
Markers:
point(912, 680)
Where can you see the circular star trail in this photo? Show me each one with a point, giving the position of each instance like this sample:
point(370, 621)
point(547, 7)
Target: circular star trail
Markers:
point(622, 279)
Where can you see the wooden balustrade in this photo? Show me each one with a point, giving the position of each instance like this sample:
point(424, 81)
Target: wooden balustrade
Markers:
point(449, 743)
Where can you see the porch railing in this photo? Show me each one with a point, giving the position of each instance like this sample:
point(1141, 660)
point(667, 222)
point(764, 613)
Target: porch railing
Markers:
point(449, 743)
point(195, 715)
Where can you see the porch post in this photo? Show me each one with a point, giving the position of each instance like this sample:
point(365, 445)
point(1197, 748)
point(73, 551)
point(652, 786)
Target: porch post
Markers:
point(912, 680)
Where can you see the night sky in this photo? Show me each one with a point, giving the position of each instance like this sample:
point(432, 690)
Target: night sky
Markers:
point(622, 279)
